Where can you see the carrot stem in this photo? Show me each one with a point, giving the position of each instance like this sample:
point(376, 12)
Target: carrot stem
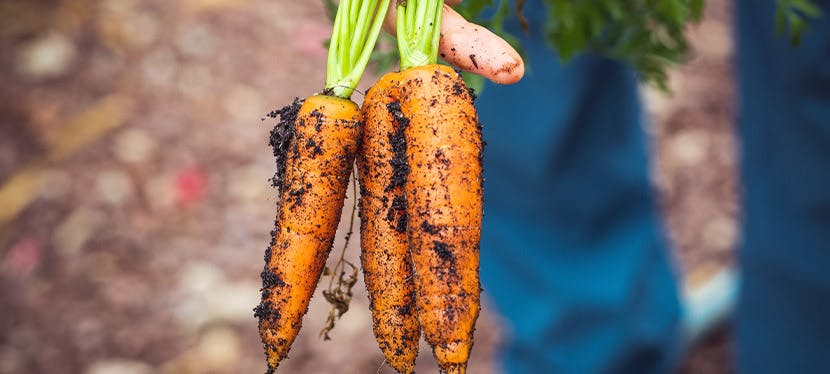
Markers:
point(419, 30)
point(356, 28)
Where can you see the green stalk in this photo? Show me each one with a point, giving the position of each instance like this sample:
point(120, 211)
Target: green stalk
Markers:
point(355, 32)
point(419, 30)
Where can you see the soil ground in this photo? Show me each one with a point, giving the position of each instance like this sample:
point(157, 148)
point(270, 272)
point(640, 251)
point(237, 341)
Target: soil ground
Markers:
point(135, 205)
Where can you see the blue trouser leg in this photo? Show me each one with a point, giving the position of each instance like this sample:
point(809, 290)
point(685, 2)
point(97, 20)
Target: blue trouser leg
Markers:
point(783, 323)
point(573, 253)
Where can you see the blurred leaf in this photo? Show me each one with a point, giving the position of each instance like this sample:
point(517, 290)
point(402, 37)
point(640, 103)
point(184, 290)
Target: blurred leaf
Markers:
point(648, 35)
point(331, 9)
point(791, 17)
point(385, 54)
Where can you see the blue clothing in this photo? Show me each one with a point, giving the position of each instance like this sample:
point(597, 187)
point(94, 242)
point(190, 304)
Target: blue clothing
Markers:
point(573, 253)
point(783, 318)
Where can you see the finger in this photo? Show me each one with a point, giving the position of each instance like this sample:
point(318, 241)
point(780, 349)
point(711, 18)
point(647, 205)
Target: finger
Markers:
point(476, 49)
point(472, 48)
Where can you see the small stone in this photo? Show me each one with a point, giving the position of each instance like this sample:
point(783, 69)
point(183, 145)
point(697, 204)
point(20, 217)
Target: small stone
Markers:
point(196, 41)
point(114, 186)
point(720, 233)
point(194, 80)
point(48, 56)
point(161, 192)
point(712, 39)
point(248, 184)
point(244, 103)
point(159, 67)
point(71, 235)
point(233, 302)
point(10, 360)
point(118, 366)
point(134, 146)
point(219, 348)
point(55, 185)
point(689, 147)
point(143, 28)
point(199, 277)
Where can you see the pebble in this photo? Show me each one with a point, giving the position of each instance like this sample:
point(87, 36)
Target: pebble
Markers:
point(712, 40)
point(219, 348)
point(688, 147)
point(122, 25)
point(74, 232)
point(206, 296)
point(114, 186)
point(118, 366)
point(134, 146)
point(720, 233)
point(159, 66)
point(10, 360)
point(48, 56)
point(249, 184)
point(218, 351)
point(196, 41)
point(194, 80)
point(142, 28)
point(160, 191)
point(244, 103)
point(55, 184)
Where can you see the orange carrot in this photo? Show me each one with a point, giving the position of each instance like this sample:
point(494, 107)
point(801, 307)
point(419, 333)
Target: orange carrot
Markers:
point(315, 145)
point(387, 265)
point(444, 206)
point(320, 152)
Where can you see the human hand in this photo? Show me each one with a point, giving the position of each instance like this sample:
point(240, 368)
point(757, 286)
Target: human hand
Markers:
point(471, 47)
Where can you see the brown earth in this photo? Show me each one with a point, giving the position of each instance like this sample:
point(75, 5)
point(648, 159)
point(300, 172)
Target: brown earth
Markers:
point(134, 197)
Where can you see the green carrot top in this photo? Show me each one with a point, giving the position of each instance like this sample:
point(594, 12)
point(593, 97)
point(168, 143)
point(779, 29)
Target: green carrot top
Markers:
point(355, 32)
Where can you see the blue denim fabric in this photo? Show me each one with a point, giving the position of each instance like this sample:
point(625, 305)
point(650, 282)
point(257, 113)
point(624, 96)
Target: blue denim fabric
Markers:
point(783, 313)
point(573, 253)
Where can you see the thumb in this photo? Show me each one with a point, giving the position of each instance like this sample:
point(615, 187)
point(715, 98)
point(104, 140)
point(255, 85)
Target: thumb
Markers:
point(472, 47)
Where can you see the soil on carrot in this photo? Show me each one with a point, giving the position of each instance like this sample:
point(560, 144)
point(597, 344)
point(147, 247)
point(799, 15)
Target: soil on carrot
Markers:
point(443, 251)
point(400, 167)
point(397, 215)
point(431, 229)
point(281, 136)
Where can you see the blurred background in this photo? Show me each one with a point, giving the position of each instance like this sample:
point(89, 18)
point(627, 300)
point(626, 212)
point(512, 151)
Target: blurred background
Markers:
point(135, 205)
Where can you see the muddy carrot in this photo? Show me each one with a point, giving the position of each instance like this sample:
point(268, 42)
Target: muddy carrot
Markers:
point(387, 265)
point(315, 145)
point(443, 188)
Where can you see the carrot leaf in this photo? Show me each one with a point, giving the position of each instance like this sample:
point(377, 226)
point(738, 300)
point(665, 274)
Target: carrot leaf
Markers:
point(418, 29)
point(356, 28)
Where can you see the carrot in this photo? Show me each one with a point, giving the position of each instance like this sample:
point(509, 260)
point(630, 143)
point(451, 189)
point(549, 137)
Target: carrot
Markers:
point(444, 205)
point(317, 167)
point(442, 149)
point(387, 265)
point(315, 144)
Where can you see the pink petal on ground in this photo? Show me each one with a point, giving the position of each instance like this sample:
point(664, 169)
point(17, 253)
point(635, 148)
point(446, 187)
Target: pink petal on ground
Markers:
point(191, 184)
point(23, 256)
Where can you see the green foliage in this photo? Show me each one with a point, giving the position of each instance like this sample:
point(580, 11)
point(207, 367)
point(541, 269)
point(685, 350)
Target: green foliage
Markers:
point(792, 16)
point(356, 29)
point(646, 34)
